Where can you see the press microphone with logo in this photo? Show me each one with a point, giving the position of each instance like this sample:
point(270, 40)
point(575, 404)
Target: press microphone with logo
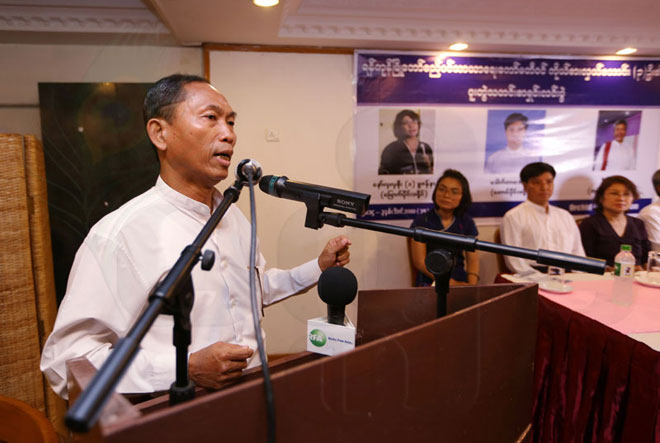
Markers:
point(335, 333)
point(247, 166)
point(349, 201)
point(337, 288)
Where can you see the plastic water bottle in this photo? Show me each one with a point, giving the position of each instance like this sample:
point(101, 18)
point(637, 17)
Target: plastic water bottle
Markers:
point(624, 263)
point(624, 271)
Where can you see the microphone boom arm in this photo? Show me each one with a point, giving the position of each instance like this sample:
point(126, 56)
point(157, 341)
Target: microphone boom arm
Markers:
point(541, 256)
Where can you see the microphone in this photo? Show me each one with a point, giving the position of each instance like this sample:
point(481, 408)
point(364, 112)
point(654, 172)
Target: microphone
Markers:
point(337, 288)
point(247, 166)
point(439, 262)
point(349, 201)
point(335, 333)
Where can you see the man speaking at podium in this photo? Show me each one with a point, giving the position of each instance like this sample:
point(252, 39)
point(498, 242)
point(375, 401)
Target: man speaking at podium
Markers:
point(191, 126)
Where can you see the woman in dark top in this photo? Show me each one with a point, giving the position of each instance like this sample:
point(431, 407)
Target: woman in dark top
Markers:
point(406, 155)
point(451, 198)
point(604, 232)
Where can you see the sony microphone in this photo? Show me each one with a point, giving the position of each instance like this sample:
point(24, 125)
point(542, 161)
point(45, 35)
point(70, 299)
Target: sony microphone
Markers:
point(349, 201)
point(337, 288)
point(246, 167)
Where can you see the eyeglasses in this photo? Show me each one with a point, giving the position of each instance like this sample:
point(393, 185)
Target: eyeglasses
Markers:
point(454, 192)
point(619, 194)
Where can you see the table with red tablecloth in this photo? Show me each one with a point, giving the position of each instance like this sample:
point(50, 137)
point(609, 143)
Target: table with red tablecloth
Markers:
point(592, 380)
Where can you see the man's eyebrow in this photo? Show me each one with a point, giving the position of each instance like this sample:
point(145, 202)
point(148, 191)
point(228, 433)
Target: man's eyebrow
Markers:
point(218, 110)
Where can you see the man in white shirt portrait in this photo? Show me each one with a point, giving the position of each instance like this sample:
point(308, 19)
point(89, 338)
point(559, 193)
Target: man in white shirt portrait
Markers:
point(617, 154)
point(514, 155)
point(650, 215)
point(535, 224)
point(191, 125)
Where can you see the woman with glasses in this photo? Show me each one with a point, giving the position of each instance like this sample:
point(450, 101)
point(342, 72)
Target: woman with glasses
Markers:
point(451, 198)
point(604, 232)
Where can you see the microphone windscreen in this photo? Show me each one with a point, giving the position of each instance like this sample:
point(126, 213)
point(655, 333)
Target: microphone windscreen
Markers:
point(267, 184)
point(439, 261)
point(337, 286)
point(246, 165)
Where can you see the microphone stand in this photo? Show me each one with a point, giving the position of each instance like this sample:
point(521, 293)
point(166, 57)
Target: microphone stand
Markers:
point(462, 242)
point(174, 295)
point(440, 263)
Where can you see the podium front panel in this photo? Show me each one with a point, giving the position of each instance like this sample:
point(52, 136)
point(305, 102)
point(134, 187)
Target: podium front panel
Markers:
point(465, 377)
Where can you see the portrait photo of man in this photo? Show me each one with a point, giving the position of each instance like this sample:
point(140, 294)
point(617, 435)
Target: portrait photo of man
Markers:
point(616, 140)
point(509, 151)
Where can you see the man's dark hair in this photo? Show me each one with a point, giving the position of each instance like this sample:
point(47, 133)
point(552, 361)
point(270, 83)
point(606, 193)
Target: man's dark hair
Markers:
point(515, 117)
point(656, 181)
point(399, 132)
point(609, 181)
point(466, 198)
point(166, 92)
point(534, 170)
point(621, 122)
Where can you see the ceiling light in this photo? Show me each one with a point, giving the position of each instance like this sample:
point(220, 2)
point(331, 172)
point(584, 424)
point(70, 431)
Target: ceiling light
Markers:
point(626, 51)
point(458, 46)
point(266, 3)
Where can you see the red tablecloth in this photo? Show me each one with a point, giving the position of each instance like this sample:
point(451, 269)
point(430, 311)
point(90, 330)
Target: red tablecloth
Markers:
point(592, 383)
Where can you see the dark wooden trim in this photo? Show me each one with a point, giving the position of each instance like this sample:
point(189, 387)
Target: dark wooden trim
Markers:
point(207, 47)
point(206, 62)
point(272, 357)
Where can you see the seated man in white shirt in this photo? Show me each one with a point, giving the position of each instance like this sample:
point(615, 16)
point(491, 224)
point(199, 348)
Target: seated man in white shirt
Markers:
point(535, 224)
point(191, 126)
point(650, 215)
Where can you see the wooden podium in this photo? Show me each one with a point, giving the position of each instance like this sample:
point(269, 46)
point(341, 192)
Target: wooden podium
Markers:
point(464, 377)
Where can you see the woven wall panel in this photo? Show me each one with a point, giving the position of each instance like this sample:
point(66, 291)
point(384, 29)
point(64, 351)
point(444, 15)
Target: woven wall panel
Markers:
point(42, 262)
point(19, 338)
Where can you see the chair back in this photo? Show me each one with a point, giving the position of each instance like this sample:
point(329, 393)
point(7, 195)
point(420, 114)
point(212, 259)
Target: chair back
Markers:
point(501, 264)
point(20, 422)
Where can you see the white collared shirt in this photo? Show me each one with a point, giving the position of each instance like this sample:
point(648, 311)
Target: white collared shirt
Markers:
point(509, 160)
point(119, 262)
point(650, 215)
point(528, 225)
point(621, 156)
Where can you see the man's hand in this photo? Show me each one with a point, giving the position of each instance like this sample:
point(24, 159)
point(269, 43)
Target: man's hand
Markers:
point(335, 253)
point(453, 282)
point(218, 364)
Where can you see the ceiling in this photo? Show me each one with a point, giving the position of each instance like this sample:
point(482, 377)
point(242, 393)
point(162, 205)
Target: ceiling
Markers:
point(580, 27)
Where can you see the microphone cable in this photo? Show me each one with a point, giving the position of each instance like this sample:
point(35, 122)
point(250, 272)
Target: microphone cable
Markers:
point(268, 387)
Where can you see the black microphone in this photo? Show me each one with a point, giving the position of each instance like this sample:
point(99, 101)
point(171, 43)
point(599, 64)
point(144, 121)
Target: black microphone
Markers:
point(337, 288)
point(354, 202)
point(246, 166)
point(439, 262)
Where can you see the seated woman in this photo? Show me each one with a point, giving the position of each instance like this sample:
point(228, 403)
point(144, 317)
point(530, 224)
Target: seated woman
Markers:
point(604, 232)
point(451, 198)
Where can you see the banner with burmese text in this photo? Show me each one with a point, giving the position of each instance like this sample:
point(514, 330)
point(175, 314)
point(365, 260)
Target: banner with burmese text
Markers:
point(489, 116)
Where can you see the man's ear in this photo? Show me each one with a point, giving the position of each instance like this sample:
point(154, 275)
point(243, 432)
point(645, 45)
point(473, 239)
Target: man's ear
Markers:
point(157, 130)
